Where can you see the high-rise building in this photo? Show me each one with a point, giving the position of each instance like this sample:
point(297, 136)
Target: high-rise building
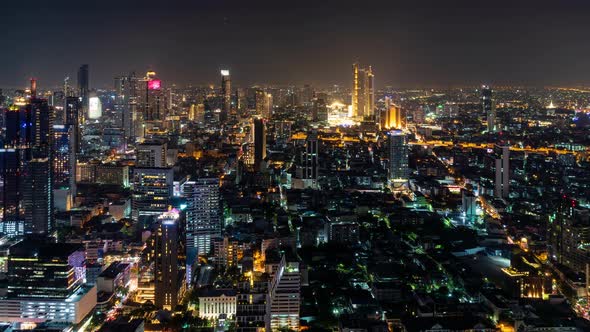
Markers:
point(398, 157)
point(284, 297)
point(226, 95)
point(72, 118)
point(64, 168)
point(263, 104)
point(126, 88)
point(203, 214)
point(152, 190)
point(259, 131)
point(38, 197)
point(154, 101)
point(489, 107)
point(26, 160)
point(168, 268)
point(502, 171)
point(363, 91)
point(309, 158)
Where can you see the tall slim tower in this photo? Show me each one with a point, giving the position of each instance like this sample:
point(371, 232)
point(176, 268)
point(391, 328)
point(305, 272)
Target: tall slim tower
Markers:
point(83, 86)
point(310, 158)
point(355, 90)
point(489, 107)
point(398, 157)
point(502, 171)
point(167, 281)
point(226, 94)
point(259, 130)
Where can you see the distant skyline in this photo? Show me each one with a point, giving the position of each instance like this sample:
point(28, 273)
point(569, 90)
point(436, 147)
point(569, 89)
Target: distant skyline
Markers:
point(428, 43)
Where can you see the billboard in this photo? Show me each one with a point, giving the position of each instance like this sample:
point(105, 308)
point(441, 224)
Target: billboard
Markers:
point(154, 84)
point(94, 108)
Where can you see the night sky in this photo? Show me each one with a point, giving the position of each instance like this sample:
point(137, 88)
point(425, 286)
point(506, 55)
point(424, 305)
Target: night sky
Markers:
point(425, 43)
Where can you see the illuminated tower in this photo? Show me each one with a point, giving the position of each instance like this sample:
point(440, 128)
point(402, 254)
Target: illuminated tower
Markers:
point(502, 171)
point(369, 92)
point(64, 180)
point(398, 157)
point(226, 94)
point(363, 91)
point(489, 107)
point(393, 117)
point(167, 268)
point(355, 90)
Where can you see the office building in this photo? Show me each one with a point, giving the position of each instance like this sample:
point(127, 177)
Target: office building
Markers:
point(284, 297)
point(363, 92)
point(226, 95)
point(203, 214)
point(489, 107)
point(152, 189)
point(502, 171)
point(398, 157)
point(45, 282)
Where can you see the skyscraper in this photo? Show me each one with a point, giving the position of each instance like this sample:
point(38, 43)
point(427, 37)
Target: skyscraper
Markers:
point(309, 159)
point(283, 297)
point(226, 94)
point(398, 157)
point(502, 171)
point(154, 104)
point(363, 92)
point(263, 104)
point(168, 268)
point(64, 179)
point(489, 107)
point(83, 88)
point(259, 130)
point(72, 114)
point(203, 214)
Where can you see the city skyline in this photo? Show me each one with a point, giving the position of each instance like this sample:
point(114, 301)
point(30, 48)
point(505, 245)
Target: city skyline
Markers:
point(426, 44)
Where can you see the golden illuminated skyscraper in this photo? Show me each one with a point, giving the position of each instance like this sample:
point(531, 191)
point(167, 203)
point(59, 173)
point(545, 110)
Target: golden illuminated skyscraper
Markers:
point(355, 89)
point(393, 117)
point(363, 91)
